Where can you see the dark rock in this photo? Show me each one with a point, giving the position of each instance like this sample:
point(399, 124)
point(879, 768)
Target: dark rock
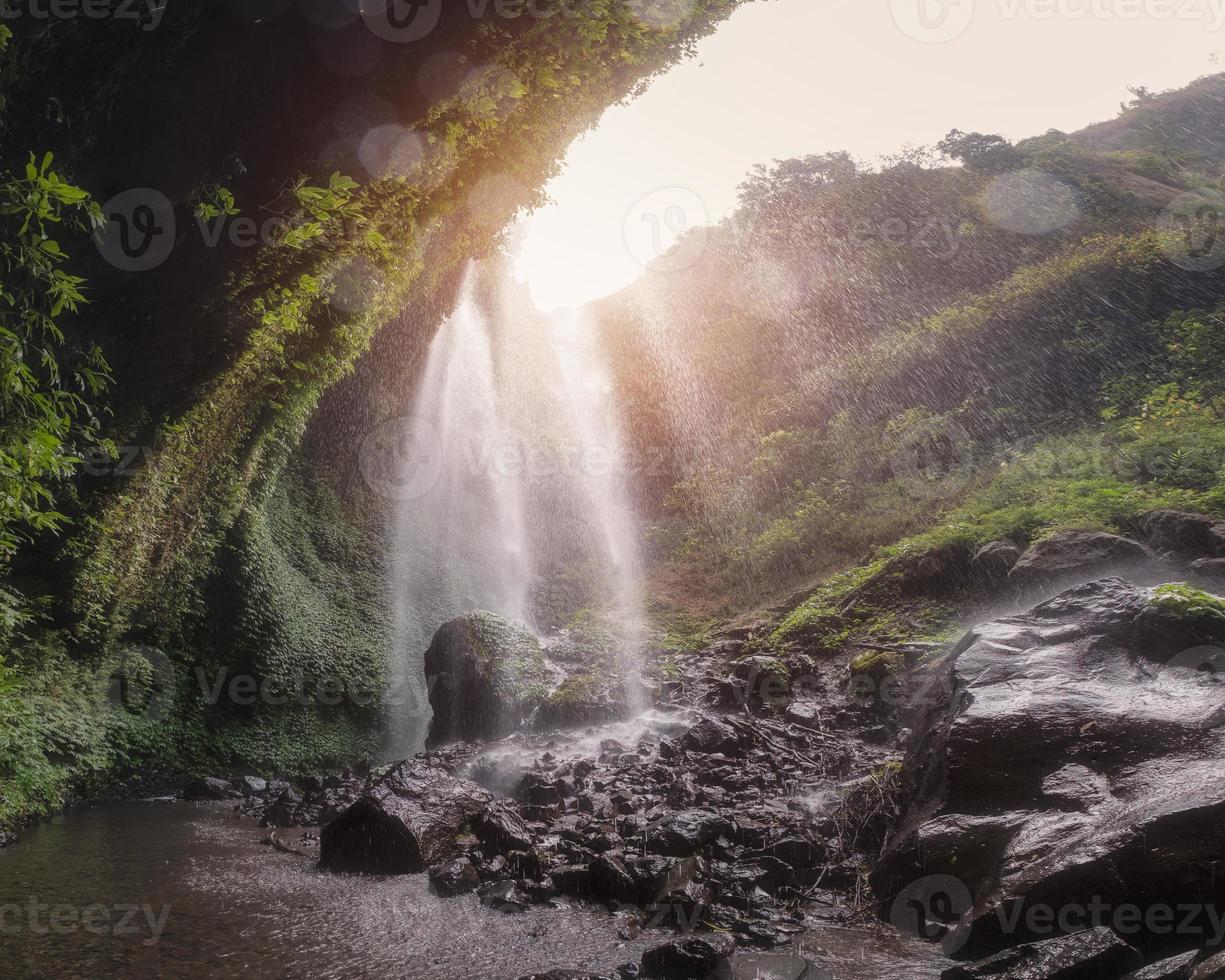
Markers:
point(7, 839)
point(210, 788)
point(992, 562)
point(1209, 572)
point(1077, 556)
point(490, 675)
point(688, 832)
point(1090, 955)
point(710, 736)
point(572, 879)
point(500, 830)
point(805, 714)
point(456, 878)
point(611, 880)
point(504, 896)
point(251, 785)
point(283, 811)
point(407, 821)
point(1184, 534)
point(1213, 968)
point(1064, 761)
point(1173, 968)
point(754, 966)
point(685, 959)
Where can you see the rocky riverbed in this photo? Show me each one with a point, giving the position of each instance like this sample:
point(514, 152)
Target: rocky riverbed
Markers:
point(1043, 799)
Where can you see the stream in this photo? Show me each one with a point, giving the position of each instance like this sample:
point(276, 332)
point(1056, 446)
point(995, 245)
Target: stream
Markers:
point(164, 889)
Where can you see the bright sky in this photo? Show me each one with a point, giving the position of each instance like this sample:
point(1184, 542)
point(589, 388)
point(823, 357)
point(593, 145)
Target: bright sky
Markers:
point(784, 78)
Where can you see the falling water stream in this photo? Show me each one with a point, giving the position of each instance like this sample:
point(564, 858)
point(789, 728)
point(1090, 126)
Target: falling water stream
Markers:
point(514, 468)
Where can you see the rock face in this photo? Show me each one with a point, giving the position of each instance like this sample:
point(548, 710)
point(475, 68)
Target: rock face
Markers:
point(486, 674)
point(692, 958)
point(1183, 534)
point(1074, 556)
point(1070, 758)
point(1094, 953)
point(406, 822)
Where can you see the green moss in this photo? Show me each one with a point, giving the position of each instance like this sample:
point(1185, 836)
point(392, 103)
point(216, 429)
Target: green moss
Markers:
point(1185, 602)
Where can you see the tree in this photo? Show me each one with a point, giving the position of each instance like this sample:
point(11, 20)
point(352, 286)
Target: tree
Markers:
point(983, 153)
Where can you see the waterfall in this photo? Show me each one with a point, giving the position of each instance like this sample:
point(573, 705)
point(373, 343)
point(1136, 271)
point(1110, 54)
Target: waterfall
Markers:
point(514, 472)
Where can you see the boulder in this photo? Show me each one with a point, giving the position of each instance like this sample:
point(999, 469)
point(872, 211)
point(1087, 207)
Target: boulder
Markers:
point(690, 959)
point(565, 975)
point(486, 675)
point(407, 821)
point(1209, 572)
point(1068, 754)
point(711, 735)
point(210, 788)
point(1077, 556)
point(1171, 968)
point(1212, 968)
point(686, 833)
point(250, 786)
point(1184, 534)
point(458, 877)
point(504, 896)
point(1090, 955)
point(992, 562)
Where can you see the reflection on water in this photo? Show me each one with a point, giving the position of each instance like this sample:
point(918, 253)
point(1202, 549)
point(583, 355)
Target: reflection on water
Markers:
point(186, 890)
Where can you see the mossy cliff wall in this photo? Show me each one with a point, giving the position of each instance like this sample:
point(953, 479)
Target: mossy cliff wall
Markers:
point(233, 535)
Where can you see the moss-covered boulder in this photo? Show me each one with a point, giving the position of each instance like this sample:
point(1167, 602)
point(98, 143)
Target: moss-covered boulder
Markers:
point(486, 676)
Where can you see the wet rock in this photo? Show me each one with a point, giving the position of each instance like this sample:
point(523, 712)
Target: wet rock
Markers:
point(710, 736)
point(7, 839)
point(688, 832)
point(251, 785)
point(500, 829)
point(611, 880)
point(1184, 534)
point(407, 821)
point(490, 675)
point(210, 788)
point(992, 562)
point(572, 879)
point(1064, 760)
point(1088, 955)
point(1209, 572)
point(754, 966)
point(685, 959)
point(1073, 556)
point(1213, 968)
point(283, 811)
point(456, 878)
point(1174, 968)
point(805, 714)
point(504, 896)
